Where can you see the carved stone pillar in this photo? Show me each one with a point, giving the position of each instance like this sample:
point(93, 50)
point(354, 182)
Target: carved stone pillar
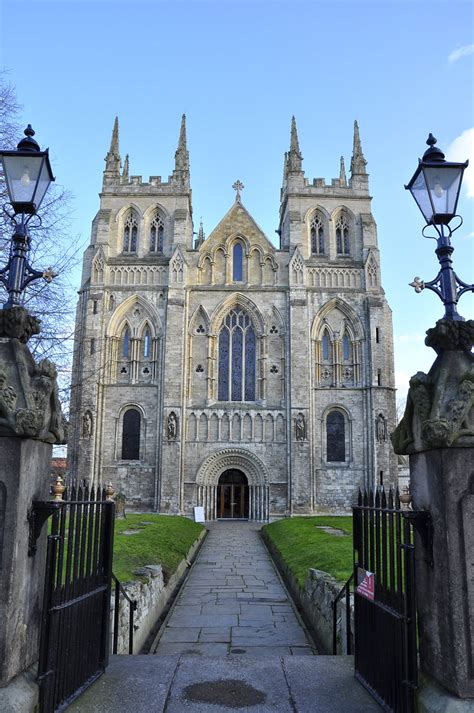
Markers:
point(437, 431)
point(30, 422)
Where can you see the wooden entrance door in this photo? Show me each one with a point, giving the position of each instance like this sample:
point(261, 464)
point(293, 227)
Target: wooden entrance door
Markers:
point(233, 495)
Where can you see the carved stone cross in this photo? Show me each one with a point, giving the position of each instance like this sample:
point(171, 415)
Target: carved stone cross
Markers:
point(238, 186)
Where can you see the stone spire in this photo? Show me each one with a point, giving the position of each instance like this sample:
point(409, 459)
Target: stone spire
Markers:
point(294, 163)
point(181, 157)
point(112, 160)
point(125, 169)
point(358, 162)
point(342, 173)
point(201, 237)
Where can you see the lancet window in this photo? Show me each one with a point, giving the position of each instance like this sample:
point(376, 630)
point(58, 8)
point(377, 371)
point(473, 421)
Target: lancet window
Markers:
point(147, 343)
point(317, 234)
point(342, 235)
point(335, 437)
point(237, 358)
point(126, 343)
point(131, 434)
point(237, 263)
point(157, 232)
point(130, 233)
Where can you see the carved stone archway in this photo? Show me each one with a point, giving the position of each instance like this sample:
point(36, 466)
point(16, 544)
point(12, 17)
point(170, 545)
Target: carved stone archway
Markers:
point(255, 471)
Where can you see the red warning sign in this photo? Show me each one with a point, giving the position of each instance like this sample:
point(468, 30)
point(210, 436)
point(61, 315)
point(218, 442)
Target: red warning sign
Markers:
point(366, 586)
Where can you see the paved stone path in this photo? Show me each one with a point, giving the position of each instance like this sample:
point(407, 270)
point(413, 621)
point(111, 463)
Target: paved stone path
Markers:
point(233, 602)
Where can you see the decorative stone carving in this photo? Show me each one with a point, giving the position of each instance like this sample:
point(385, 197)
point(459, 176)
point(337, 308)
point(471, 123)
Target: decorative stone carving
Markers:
point(87, 425)
point(29, 403)
point(381, 428)
point(300, 428)
point(439, 408)
point(172, 428)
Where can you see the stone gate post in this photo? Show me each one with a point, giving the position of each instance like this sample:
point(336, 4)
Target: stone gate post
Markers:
point(30, 422)
point(437, 431)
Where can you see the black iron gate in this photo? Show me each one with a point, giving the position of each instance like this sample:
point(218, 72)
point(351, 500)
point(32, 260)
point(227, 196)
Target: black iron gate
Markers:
point(76, 605)
point(384, 600)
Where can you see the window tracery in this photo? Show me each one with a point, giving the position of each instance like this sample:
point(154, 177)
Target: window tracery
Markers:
point(157, 232)
point(342, 235)
point(237, 358)
point(130, 233)
point(317, 234)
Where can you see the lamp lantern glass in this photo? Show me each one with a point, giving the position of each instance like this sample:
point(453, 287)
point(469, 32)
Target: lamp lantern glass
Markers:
point(436, 185)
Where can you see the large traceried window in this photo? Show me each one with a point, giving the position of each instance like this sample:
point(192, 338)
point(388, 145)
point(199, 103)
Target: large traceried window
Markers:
point(130, 233)
point(342, 235)
point(157, 232)
point(335, 437)
point(131, 435)
point(317, 234)
point(237, 357)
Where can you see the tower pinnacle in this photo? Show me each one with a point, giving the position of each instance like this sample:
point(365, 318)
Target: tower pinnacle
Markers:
point(181, 157)
point(112, 160)
point(358, 162)
point(294, 163)
point(342, 173)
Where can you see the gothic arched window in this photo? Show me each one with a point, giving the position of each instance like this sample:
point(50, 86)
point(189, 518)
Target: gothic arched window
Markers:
point(157, 231)
point(126, 343)
point(130, 233)
point(346, 347)
point(131, 435)
point(147, 343)
point(326, 344)
point(335, 437)
point(342, 235)
point(237, 357)
point(317, 234)
point(237, 263)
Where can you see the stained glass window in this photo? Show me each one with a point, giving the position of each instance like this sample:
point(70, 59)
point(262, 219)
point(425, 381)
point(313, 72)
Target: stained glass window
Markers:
point(237, 267)
point(126, 343)
point(346, 348)
point(237, 357)
point(325, 344)
point(147, 343)
point(336, 437)
point(131, 435)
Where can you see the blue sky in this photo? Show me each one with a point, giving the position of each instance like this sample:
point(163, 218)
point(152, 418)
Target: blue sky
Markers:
point(240, 70)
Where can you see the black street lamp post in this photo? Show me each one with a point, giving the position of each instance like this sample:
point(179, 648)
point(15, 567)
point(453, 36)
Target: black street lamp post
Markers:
point(435, 186)
point(27, 174)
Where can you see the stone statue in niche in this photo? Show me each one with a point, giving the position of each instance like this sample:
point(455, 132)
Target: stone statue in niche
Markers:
point(300, 428)
point(87, 424)
point(172, 426)
point(381, 428)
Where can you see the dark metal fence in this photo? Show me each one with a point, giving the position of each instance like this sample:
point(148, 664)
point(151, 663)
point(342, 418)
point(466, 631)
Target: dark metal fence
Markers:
point(384, 600)
point(76, 605)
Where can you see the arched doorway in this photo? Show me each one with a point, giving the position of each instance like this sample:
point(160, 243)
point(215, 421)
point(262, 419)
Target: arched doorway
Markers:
point(233, 495)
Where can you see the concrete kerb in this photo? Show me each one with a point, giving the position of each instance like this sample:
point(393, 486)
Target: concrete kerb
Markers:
point(165, 615)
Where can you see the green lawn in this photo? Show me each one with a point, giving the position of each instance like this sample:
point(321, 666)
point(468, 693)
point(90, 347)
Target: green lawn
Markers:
point(161, 540)
point(302, 545)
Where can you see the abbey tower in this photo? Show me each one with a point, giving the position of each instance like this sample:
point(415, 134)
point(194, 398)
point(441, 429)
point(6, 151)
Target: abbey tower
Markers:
point(254, 380)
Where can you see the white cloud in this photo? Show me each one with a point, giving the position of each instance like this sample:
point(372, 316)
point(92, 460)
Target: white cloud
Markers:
point(459, 150)
point(461, 52)
point(409, 338)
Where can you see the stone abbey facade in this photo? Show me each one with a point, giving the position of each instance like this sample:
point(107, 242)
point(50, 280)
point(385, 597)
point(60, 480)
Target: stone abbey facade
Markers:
point(254, 380)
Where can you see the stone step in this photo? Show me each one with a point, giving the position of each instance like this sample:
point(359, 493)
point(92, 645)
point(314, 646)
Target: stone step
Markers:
point(221, 684)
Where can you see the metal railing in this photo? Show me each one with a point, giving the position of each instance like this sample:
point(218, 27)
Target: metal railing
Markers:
point(346, 590)
point(132, 607)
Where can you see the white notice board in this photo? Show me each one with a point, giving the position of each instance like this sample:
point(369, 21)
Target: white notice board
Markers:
point(199, 514)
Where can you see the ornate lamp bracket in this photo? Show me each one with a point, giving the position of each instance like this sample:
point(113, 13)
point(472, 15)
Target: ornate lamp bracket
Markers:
point(37, 516)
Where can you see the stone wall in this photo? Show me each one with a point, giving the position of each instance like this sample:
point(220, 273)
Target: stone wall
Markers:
point(152, 595)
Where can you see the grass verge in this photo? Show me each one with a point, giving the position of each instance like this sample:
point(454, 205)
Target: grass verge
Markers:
point(159, 539)
point(303, 545)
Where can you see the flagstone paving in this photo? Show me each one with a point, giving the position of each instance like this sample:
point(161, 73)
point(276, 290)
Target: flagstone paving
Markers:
point(234, 602)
